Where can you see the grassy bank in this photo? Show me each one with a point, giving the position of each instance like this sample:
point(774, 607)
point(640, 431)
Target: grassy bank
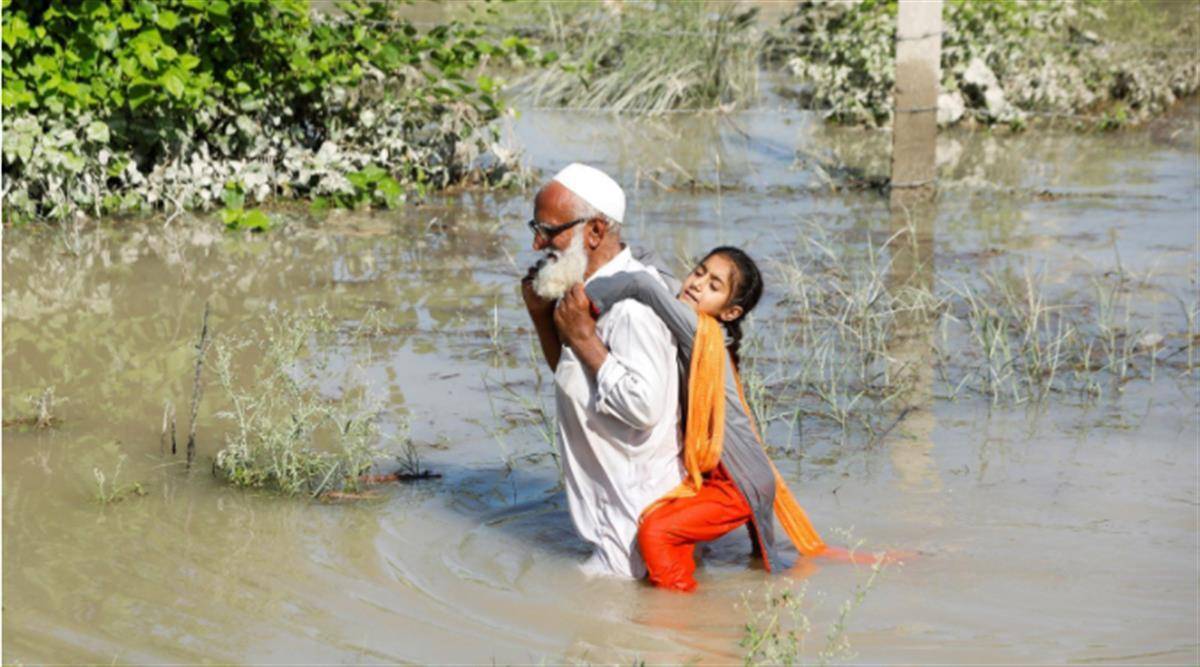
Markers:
point(169, 105)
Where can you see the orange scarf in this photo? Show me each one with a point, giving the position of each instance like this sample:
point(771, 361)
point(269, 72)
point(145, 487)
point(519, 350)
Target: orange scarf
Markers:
point(705, 434)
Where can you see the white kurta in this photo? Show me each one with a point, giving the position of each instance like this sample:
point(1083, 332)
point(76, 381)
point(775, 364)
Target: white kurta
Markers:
point(619, 434)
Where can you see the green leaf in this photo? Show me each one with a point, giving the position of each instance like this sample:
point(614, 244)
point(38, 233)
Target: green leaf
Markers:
point(391, 192)
point(96, 9)
point(97, 132)
point(140, 93)
point(255, 220)
point(173, 83)
point(73, 162)
point(128, 22)
point(106, 40)
point(167, 19)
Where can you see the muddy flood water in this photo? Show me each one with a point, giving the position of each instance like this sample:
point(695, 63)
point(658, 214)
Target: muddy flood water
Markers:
point(1059, 532)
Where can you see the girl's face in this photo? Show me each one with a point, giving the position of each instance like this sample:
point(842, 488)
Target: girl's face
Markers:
point(709, 287)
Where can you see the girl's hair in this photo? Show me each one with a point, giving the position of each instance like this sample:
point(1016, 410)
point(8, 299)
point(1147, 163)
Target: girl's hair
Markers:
point(746, 290)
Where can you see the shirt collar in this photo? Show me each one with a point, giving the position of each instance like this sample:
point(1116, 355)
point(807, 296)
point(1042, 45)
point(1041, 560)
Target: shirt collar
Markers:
point(615, 265)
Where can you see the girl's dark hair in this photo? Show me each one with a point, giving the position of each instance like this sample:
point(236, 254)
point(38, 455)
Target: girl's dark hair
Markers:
point(746, 290)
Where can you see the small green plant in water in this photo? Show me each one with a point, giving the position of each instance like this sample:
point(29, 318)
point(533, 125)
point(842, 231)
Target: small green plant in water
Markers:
point(240, 219)
point(371, 186)
point(288, 435)
point(42, 406)
point(778, 629)
point(110, 491)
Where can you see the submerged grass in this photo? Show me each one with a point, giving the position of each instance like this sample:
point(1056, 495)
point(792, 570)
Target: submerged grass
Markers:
point(779, 628)
point(516, 408)
point(863, 334)
point(290, 434)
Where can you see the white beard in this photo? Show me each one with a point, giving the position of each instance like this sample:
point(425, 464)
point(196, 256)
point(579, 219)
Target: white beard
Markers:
point(561, 271)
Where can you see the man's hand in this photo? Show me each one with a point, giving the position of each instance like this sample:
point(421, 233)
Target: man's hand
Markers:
point(573, 317)
point(535, 304)
point(577, 328)
point(541, 312)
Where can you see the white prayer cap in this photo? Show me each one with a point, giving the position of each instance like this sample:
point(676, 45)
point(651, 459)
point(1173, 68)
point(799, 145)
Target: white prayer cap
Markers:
point(594, 187)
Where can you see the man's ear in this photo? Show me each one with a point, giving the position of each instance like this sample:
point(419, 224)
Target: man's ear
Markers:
point(731, 313)
point(595, 230)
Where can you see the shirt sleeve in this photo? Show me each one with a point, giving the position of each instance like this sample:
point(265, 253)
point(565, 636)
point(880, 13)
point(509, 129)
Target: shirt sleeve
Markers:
point(643, 288)
point(632, 383)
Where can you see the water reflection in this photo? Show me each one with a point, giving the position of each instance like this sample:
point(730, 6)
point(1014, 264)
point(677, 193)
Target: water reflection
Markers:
point(910, 350)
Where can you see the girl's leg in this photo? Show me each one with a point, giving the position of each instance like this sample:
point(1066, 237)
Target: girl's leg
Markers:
point(667, 537)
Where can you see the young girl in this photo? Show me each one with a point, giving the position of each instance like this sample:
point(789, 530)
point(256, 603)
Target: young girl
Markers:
point(730, 481)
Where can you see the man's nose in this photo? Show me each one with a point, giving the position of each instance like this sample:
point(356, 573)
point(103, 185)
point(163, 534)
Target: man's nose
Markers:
point(540, 242)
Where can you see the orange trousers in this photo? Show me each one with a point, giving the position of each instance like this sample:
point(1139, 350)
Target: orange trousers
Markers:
point(667, 536)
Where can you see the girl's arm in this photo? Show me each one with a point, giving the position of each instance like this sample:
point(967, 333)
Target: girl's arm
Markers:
point(642, 287)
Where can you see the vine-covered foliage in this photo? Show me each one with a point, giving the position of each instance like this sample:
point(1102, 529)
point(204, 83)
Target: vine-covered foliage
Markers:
point(129, 105)
point(1002, 60)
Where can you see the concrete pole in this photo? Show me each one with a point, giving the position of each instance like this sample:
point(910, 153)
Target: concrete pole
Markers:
point(918, 75)
point(914, 183)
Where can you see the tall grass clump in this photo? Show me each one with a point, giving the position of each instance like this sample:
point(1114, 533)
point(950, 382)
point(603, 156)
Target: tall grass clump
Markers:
point(642, 58)
point(289, 434)
point(1002, 62)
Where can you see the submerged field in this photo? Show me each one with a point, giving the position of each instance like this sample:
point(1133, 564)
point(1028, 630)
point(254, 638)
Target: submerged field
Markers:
point(1053, 519)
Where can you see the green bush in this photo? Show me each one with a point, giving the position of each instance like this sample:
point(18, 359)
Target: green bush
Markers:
point(120, 105)
point(1001, 60)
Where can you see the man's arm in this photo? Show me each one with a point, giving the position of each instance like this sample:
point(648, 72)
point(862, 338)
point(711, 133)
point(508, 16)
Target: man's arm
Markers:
point(541, 312)
point(575, 326)
point(680, 318)
point(633, 371)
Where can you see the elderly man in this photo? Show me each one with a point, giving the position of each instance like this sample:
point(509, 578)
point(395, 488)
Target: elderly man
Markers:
point(616, 382)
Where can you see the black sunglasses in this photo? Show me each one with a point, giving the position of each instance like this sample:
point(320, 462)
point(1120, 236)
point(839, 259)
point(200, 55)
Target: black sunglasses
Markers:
point(548, 232)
